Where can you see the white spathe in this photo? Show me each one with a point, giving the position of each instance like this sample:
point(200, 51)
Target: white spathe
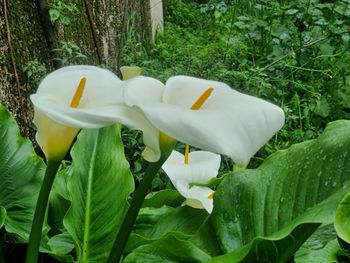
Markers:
point(101, 105)
point(229, 122)
point(202, 167)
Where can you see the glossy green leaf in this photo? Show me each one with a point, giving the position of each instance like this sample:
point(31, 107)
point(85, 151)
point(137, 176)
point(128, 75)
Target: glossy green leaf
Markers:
point(59, 247)
point(275, 249)
point(2, 216)
point(170, 248)
point(21, 171)
point(61, 244)
point(321, 247)
point(326, 254)
point(57, 210)
point(342, 219)
point(99, 187)
point(264, 215)
point(154, 223)
point(205, 238)
point(167, 197)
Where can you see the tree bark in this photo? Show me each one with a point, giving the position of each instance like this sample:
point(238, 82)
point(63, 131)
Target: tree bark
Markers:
point(99, 29)
point(44, 16)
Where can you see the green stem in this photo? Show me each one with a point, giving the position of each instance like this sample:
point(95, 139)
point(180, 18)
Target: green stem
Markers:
point(139, 196)
point(39, 215)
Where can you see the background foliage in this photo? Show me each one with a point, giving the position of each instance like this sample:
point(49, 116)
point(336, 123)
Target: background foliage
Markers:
point(293, 53)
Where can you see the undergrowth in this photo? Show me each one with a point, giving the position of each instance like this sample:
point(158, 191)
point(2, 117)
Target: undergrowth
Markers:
point(293, 53)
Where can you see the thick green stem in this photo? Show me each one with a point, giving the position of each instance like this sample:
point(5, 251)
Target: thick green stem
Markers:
point(133, 211)
point(39, 215)
point(139, 196)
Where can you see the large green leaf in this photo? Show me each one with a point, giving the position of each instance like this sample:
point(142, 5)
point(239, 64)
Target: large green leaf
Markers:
point(319, 247)
point(154, 223)
point(61, 244)
point(342, 219)
point(168, 249)
point(21, 171)
point(169, 197)
point(99, 187)
point(313, 253)
point(59, 247)
point(205, 239)
point(264, 215)
point(2, 216)
point(327, 254)
point(322, 247)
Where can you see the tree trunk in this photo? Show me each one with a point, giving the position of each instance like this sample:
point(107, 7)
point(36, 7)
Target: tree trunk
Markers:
point(27, 45)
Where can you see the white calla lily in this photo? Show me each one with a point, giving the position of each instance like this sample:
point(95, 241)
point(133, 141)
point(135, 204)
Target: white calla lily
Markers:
point(201, 167)
point(99, 103)
point(225, 121)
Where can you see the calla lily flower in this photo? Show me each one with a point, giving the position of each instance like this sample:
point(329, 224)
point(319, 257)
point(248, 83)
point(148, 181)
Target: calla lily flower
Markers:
point(77, 97)
point(201, 166)
point(207, 114)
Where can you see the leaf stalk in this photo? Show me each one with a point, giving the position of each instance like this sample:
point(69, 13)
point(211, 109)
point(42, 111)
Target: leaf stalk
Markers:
point(40, 209)
point(139, 195)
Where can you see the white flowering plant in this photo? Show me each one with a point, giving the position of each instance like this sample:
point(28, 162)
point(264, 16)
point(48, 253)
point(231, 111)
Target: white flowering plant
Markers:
point(90, 210)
